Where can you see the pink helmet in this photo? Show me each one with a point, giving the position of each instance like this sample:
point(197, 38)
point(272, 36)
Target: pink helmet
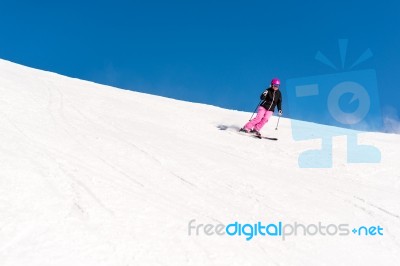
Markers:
point(275, 81)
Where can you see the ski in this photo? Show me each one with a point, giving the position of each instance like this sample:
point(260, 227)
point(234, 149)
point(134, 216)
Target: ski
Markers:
point(264, 137)
point(256, 136)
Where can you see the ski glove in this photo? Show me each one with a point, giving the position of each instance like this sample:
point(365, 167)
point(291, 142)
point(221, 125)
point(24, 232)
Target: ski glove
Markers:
point(264, 95)
point(280, 112)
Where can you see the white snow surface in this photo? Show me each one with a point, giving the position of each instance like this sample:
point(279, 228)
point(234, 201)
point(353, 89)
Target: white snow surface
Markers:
point(95, 175)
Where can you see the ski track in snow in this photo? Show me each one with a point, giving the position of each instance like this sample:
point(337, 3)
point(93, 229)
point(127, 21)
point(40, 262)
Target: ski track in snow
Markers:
point(94, 175)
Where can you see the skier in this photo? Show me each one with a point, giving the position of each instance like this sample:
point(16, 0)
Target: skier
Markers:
point(270, 98)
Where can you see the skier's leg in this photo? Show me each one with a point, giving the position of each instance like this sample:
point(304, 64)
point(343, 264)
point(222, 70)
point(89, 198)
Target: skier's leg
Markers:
point(263, 120)
point(260, 114)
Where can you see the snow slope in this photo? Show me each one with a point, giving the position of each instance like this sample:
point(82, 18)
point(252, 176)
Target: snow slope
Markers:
point(94, 175)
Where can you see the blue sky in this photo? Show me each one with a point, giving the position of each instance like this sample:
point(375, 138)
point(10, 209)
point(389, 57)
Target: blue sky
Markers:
point(217, 52)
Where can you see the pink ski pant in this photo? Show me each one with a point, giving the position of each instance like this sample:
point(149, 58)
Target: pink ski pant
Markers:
point(260, 120)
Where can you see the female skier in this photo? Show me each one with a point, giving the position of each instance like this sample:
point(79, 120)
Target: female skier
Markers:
point(270, 98)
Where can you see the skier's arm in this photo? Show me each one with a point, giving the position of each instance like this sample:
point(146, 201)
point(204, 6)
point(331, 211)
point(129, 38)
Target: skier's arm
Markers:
point(279, 103)
point(264, 95)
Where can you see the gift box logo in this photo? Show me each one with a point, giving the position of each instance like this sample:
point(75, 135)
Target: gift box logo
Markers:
point(347, 100)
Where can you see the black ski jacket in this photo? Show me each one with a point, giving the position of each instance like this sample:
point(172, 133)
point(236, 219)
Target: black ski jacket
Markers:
point(271, 98)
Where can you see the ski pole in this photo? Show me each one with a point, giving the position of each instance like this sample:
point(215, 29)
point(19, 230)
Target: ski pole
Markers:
point(276, 128)
point(255, 110)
